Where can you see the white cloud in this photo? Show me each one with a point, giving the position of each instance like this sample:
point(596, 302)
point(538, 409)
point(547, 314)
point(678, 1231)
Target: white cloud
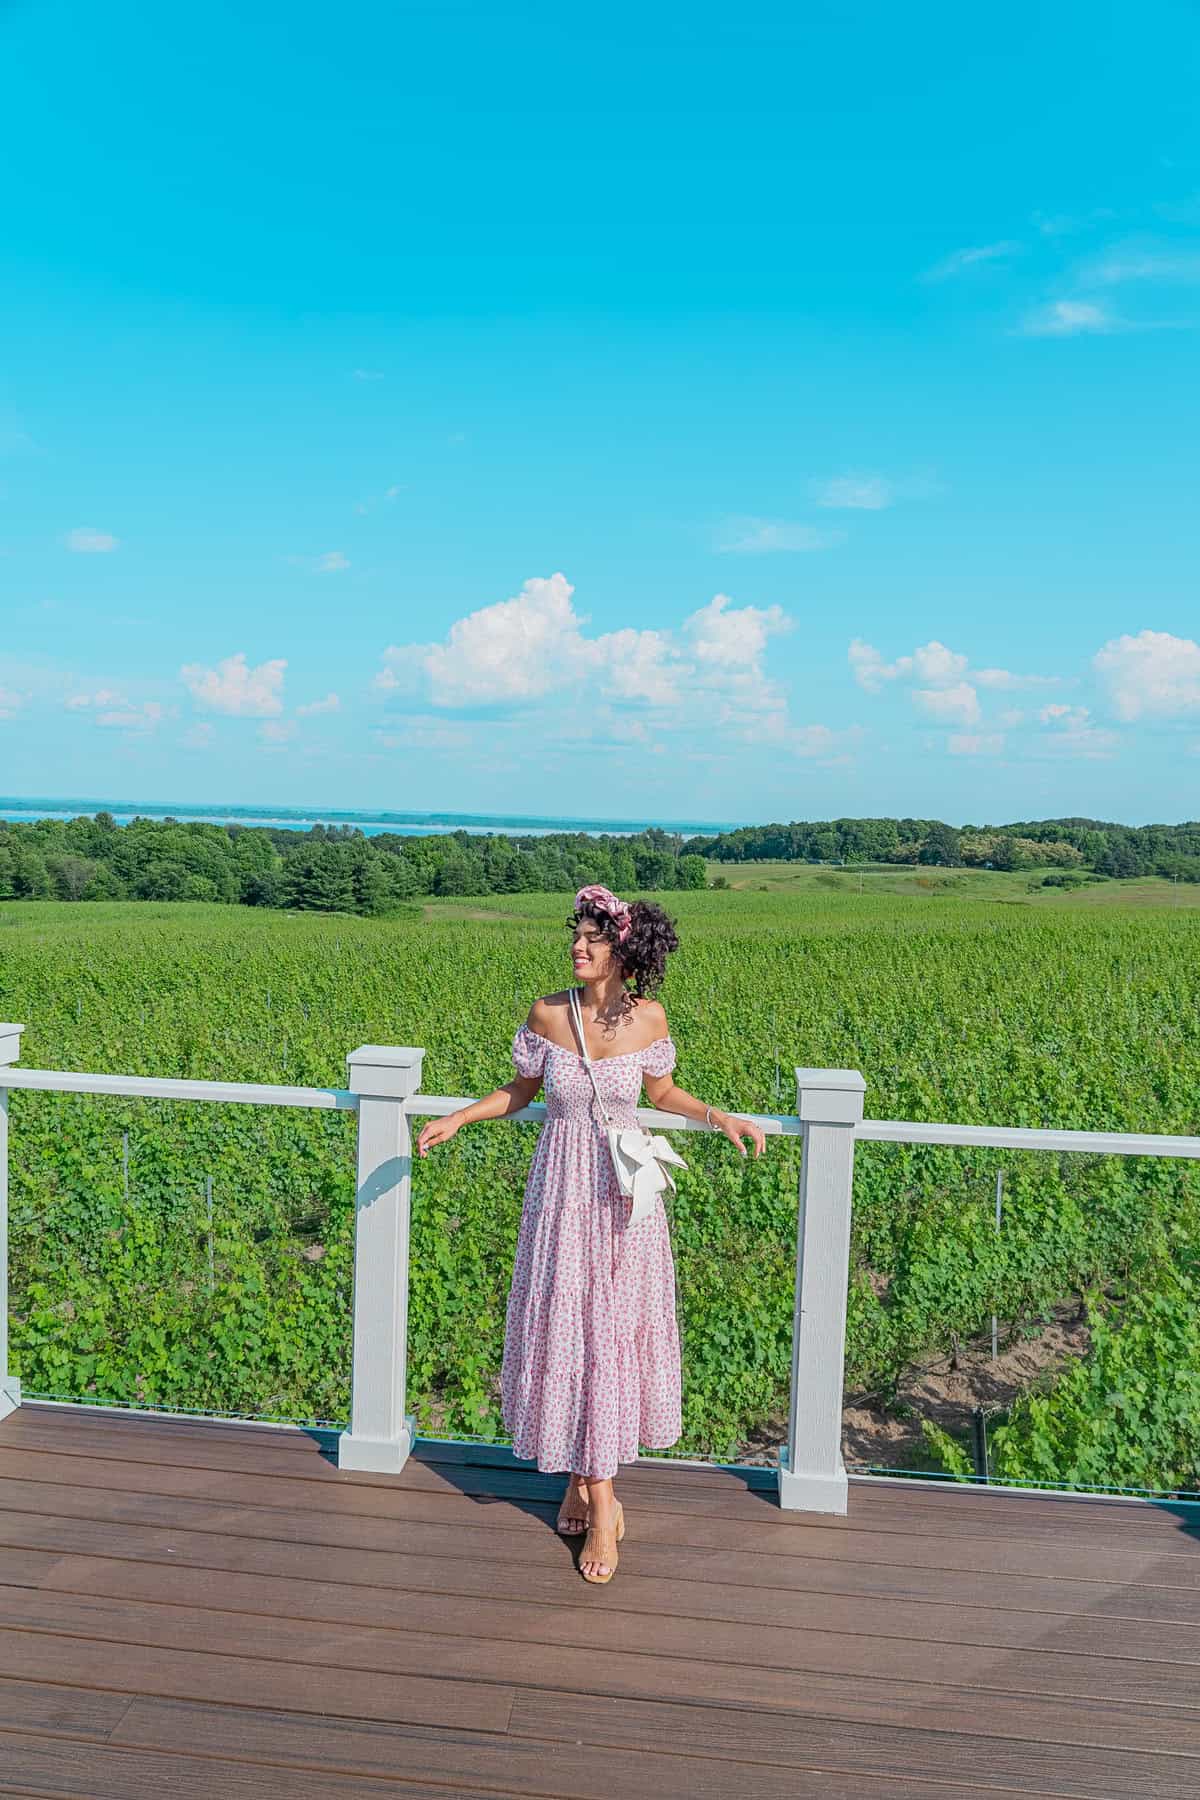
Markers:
point(1131, 263)
point(331, 703)
point(390, 496)
point(1054, 225)
point(514, 650)
point(234, 688)
point(946, 688)
point(637, 667)
point(1152, 674)
point(329, 562)
point(1070, 732)
point(867, 493)
point(10, 703)
point(102, 697)
point(705, 676)
point(717, 635)
point(198, 737)
point(972, 257)
point(823, 744)
point(932, 663)
point(426, 734)
point(1059, 711)
point(758, 537)
point(1011, 717)
point(522, 649)
point(1067, 318)
point(112, 710)
point(133, 718)
point(85, 539)
point(1004, 678)
point(277, 732)
point(936, 667)
point(957, 705)
point(986, 743)
point(814, 740)
point(368, 374)
point(870, 670)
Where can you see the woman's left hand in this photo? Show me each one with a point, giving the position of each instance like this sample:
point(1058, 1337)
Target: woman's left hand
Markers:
point(736, 1129)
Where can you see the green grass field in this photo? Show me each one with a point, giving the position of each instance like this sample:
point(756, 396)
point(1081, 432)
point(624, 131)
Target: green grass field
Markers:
point(970, 1002)
point(803, 880)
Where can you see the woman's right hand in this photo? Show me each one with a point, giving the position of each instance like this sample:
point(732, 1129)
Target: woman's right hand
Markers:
point(436, 1131)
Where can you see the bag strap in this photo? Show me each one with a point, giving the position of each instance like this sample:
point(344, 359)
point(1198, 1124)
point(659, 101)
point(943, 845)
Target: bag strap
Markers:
point(577, 1022)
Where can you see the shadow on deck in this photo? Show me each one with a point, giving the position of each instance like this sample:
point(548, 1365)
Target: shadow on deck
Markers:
point(213, 1610)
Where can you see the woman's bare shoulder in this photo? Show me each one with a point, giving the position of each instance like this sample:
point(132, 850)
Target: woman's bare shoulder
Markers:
point(547, 1014)
point(652, 1019)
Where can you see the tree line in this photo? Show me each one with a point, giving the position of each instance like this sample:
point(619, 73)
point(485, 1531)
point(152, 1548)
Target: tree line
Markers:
point(1096, 845)
point(337, 868)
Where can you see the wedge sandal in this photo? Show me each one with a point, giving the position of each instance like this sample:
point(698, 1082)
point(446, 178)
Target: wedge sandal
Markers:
point(600, 1545)
point(560, 1524)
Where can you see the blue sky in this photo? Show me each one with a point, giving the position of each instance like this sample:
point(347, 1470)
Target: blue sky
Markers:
point(742, 415)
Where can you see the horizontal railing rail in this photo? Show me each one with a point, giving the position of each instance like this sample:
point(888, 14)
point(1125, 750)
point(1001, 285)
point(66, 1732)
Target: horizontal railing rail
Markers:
point(878, 1131)
point(384, 1093)
point(154, 1087)
point(438, 1106)
point(1017, 1137)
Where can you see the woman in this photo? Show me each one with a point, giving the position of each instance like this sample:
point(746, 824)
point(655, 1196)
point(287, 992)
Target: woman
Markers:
point(591, 1347)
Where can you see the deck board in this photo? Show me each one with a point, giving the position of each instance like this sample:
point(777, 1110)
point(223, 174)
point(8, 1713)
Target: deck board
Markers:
point(774, 1547)
point(527, 1602)
point(466, 1559)
point(215, 1608)
point(694, 1617)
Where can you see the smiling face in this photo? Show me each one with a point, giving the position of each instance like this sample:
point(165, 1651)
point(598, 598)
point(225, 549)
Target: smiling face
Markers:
point(591, 953)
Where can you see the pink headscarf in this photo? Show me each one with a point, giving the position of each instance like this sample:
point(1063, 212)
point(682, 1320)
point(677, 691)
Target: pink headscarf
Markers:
point(605, 901)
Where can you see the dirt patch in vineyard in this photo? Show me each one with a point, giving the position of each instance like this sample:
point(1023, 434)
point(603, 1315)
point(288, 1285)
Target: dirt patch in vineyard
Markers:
point(946, 1394)
point(477, 914)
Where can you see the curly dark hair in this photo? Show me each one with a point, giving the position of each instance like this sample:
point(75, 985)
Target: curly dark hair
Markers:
point(643, 955)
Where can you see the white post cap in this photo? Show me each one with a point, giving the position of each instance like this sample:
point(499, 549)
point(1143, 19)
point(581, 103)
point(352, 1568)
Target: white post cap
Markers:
point(10, 1043)
point(829, 1096)
point(385, 1071)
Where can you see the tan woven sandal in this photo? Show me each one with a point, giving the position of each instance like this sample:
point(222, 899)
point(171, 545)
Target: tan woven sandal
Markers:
point(560, 1524)
point(604, 1537)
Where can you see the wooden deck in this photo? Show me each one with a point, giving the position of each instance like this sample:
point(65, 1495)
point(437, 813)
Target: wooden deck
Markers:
point(214, 1612)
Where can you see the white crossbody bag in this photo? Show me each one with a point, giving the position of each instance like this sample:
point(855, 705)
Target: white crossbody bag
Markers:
point(641, 1159)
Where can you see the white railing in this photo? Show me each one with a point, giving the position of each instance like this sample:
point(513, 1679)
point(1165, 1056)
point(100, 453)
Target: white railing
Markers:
point(384, 1090)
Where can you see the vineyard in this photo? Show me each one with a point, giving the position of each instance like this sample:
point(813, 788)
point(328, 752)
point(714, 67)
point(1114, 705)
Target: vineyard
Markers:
point(200, 1256)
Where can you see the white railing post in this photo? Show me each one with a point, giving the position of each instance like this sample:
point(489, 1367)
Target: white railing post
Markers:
point(10, 1387)
point(381, 1432)
point(812, 1475)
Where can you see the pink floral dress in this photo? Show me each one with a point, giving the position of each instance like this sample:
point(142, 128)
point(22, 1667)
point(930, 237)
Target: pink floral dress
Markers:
point(591, 1345)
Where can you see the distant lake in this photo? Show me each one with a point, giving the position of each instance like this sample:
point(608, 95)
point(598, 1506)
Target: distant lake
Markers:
point(402, 824)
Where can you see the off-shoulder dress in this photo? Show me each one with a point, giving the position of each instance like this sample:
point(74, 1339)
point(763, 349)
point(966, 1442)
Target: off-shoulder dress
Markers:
point(591, 1345)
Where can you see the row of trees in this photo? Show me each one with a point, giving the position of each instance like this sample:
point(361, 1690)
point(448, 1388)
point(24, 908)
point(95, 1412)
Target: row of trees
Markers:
point(327, 869)
point(338, 869)
point(1105, 848)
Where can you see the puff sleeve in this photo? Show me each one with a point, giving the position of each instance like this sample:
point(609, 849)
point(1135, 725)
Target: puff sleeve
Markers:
point(658, 1058)
point(528, 1052)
